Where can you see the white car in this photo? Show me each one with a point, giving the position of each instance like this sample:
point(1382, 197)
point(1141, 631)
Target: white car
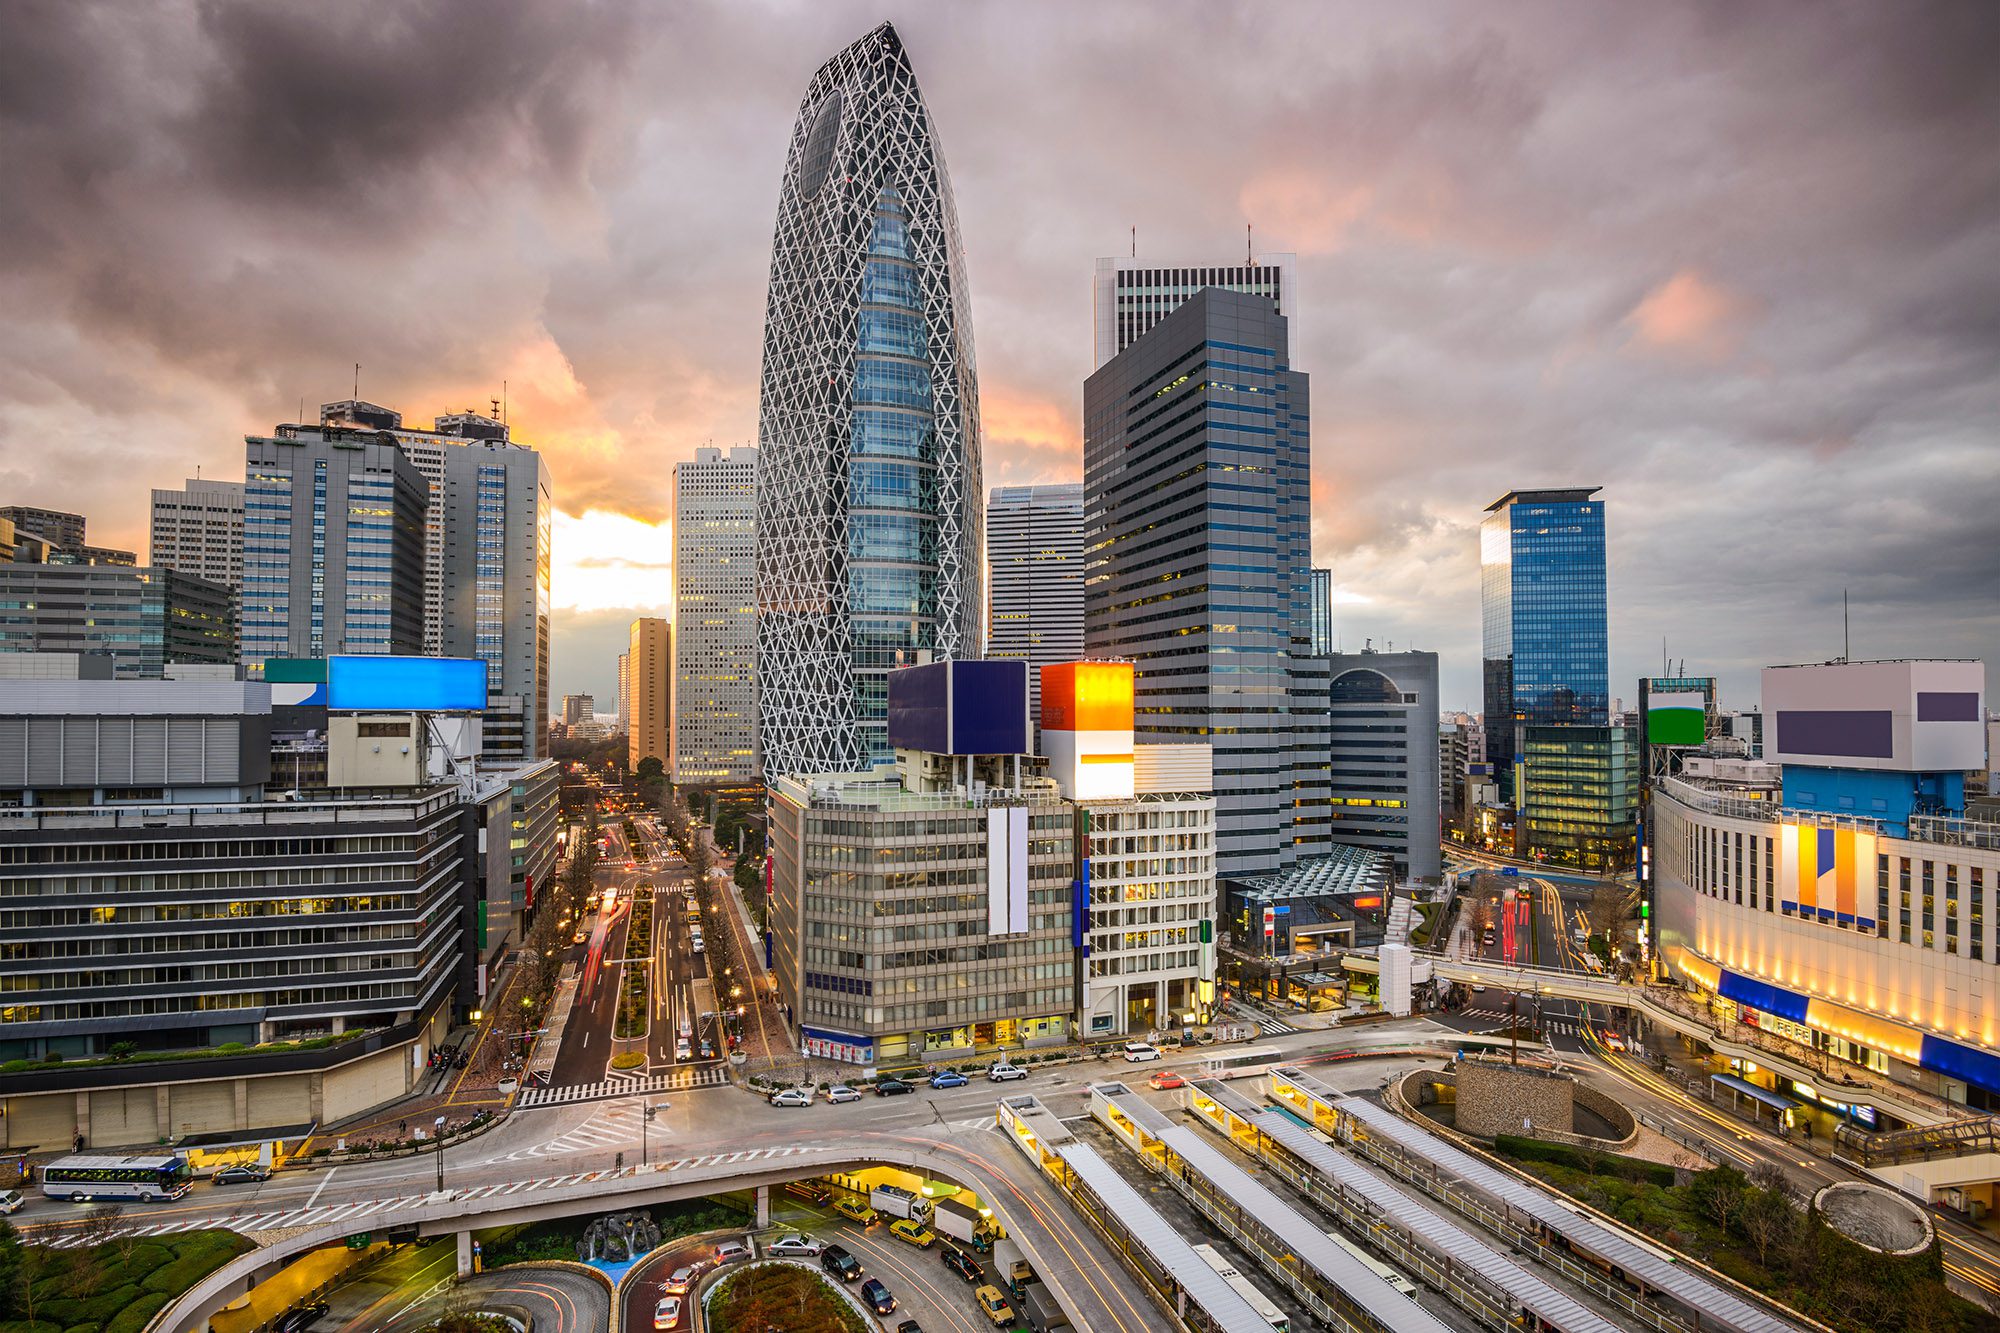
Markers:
point(840, 1092)
point(792, 1097)
point(1001, 1072)
point(730, 1251)
point(10, 1200)
point(667, 1314)
point(795, 1247)
point(1136, 1051)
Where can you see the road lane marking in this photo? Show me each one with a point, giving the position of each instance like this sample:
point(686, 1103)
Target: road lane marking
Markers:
point(324, 1181)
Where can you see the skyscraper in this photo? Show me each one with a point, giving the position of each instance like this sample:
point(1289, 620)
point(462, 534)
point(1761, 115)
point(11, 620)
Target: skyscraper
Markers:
point(715, 618)
point(1128, 297)
point(489, 519)
point(333, 545)
point(1322, 612)
point(868, 481)
point(1569, 769)
point(1196, 460)
point(651, 686)
point(1543, 620)
point(624, 690)
point(1034, 578)
point(53, 536)
point(198, 530)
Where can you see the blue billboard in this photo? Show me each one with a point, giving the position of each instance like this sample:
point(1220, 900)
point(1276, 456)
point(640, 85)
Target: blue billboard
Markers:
point(406, 684)
point(960, 707)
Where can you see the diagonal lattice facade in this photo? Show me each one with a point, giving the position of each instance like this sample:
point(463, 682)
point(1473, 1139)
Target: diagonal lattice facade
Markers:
point(868, 483)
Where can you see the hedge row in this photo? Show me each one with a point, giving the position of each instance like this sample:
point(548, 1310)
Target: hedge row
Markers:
point(1635, 1169)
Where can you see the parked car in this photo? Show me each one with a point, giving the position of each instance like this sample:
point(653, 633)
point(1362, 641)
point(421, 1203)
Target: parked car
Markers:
point(891, 1087)
point(10, 1200)
point(1136, 1051)
point(1001, 1071)
point(841, 1264)
point(667, 1314)
point(252, 1173)
point(963, 1264)
point(948, 1078)
point(856, 1211)
point(878, 1297)
point(840, 1092)
point(909, 1326)
point(794, 1247)
point(994, 1306)
point(792, 1097)
point(1162, 1079)
point(912, 1232)
point(304, 1317)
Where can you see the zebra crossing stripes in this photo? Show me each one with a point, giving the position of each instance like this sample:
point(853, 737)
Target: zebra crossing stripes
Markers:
point(679, 1080)
point(1557, 1026)
point(1273, 1027)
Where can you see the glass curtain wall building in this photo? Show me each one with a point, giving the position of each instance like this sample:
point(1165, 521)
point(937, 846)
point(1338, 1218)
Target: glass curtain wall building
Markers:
point(1541, 572)
point(868, 487)
point(1570, 771)
point(1196, 455)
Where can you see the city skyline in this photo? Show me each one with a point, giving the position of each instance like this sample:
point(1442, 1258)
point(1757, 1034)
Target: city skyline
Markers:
point(1497, 287)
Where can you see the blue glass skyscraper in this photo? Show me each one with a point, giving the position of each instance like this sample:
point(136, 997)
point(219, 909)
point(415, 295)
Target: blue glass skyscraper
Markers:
point(868, 486)
point(1556, 755)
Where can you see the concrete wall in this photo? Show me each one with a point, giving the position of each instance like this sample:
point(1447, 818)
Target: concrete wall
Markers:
point(1496, 1098)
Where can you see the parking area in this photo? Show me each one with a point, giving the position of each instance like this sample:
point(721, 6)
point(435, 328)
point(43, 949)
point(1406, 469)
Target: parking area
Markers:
point(935, 1296)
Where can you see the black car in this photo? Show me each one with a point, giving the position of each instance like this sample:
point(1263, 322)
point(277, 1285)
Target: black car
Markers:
point(889, 1087)
point(909, 1326)
point(254, 1174)
point(878, 1297)
point(963, 1264)
point(840, 1263)
point(303, 1317)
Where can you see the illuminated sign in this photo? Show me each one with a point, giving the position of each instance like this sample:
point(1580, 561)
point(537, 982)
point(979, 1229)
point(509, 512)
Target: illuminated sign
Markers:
point(1677, 719)
point(1087, 729)
point(406, 684)
point(1821, 873)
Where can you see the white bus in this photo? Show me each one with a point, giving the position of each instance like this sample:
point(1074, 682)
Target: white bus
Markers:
point(1374, 1265)
point(1253, 1063)
point(1266, 1308)
point(145, 1179)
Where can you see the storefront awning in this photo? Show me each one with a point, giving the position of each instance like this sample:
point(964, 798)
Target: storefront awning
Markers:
point(223, 1139)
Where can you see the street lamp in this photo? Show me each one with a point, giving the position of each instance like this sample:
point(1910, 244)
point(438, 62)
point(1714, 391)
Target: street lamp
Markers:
point(437, 1134)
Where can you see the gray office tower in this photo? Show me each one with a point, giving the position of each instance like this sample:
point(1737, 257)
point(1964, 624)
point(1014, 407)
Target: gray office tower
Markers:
point(1034, 579)
point(333, 545)
point(1382, 740)
point(1196, 457)
point(869, 518)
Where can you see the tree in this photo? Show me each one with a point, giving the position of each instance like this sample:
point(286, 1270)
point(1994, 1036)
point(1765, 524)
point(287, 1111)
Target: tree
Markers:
point(14, 1298)
point(1768, 1219)
point(1719, 1192)
point(650, 769)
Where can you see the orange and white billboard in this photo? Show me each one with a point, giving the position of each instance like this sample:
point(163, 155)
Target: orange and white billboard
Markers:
point(1087, 729)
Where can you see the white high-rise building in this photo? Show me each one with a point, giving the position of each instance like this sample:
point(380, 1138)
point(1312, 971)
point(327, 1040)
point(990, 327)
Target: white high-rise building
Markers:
point(714, 706)
point(199, 530)
point(1129, 296)
point(1034, 568)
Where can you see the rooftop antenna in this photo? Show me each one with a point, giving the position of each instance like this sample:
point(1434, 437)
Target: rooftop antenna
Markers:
point(1135, 242)
point(503, 402)
point(302, 410)
point(1249, 250)
point(1845, 645)
point(1666, 663)
point(357, 383)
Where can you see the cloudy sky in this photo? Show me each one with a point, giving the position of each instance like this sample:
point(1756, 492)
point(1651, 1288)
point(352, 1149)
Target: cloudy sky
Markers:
point(1739, 265)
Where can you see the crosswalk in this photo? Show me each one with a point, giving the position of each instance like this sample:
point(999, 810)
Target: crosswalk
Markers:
point(1555, 1026)
point(678, 1080)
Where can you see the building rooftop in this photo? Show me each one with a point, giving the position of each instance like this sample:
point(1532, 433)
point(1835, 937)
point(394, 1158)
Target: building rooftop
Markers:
point(1544, 497)
point(1344, 870)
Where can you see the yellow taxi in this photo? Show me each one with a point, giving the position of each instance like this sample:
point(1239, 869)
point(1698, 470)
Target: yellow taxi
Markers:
point(913, 1233)
point(855, 1211)
point(994, 1306)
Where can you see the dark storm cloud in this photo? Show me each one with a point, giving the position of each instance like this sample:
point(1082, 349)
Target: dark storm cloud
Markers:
point(1737, 264)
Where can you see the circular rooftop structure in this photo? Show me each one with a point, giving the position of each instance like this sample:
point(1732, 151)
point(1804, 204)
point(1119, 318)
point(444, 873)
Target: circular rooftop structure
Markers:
point(1875, 1218)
